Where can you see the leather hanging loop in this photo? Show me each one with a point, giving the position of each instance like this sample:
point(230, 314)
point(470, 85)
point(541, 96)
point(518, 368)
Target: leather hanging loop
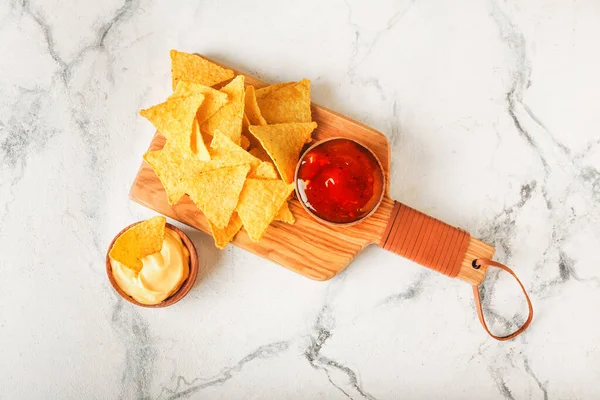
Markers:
point(484, 261)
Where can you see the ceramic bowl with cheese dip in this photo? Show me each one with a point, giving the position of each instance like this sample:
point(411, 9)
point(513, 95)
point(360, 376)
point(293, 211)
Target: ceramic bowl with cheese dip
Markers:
point(160, 278)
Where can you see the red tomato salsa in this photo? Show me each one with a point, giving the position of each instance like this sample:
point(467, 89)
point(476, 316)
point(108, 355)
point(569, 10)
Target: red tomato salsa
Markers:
point(339, 181)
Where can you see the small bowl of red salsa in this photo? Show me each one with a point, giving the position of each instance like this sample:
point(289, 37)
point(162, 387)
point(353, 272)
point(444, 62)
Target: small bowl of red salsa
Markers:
point(339, 181)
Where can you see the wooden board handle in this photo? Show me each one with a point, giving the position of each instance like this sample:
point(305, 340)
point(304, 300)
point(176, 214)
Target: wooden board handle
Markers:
point(435, 244)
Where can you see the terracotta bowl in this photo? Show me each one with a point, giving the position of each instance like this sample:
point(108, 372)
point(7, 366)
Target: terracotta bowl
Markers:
point(322, 220)
point(185, 287)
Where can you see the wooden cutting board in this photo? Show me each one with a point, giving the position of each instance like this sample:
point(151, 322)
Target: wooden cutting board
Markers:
point(307, 247)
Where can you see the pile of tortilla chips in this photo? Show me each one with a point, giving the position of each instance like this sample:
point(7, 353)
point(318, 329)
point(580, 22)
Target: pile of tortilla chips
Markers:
point(232, 149)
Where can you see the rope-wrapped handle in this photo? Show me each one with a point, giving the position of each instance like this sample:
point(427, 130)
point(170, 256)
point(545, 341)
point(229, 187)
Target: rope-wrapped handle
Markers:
point(445, 249)
point(425, 240)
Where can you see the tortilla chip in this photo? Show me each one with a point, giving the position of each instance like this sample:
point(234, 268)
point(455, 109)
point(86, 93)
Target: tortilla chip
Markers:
point(265, 170)
point(245, 132)
point(228, 119)
point(213, 99)
point(198, 145)
point(193, 68)
point(229, 154)
point(226, 235)
point(283, 143)
point(175, 117)
point(216, 192)
point(251, 108)
point(285, 215)
point(259, 152)
point(138, 242)
point(291, 103)
point(175, 168)
point(267, 90)
point(253, 141)
point(244, 142)
point(259, 203)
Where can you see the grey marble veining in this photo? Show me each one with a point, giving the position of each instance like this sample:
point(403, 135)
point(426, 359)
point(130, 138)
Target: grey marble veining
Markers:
point(491, 109)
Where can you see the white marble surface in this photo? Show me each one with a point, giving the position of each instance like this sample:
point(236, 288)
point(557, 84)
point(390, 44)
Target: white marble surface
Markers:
point(492, 109)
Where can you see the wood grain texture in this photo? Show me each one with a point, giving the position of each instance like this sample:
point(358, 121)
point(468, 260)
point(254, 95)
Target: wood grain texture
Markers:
point(476, 249)
point(307, 247)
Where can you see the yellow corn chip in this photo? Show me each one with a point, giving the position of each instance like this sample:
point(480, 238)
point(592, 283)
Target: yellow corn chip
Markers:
point(216, 192)
point(265, 170)
point(175, 168)
point(285, 215)
point(193, 68)
point(267, 90)
point(198, 145)
point(291, 103)
point(226, 235)
point(245, 132)
point(229, 154)
point(228, 119)
point(213, 98)
point(138, 242)
point(251, 108)
point(259, 152)
point(283, 142)
point(259, 203)
point(245, 143)
point(175, 117)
